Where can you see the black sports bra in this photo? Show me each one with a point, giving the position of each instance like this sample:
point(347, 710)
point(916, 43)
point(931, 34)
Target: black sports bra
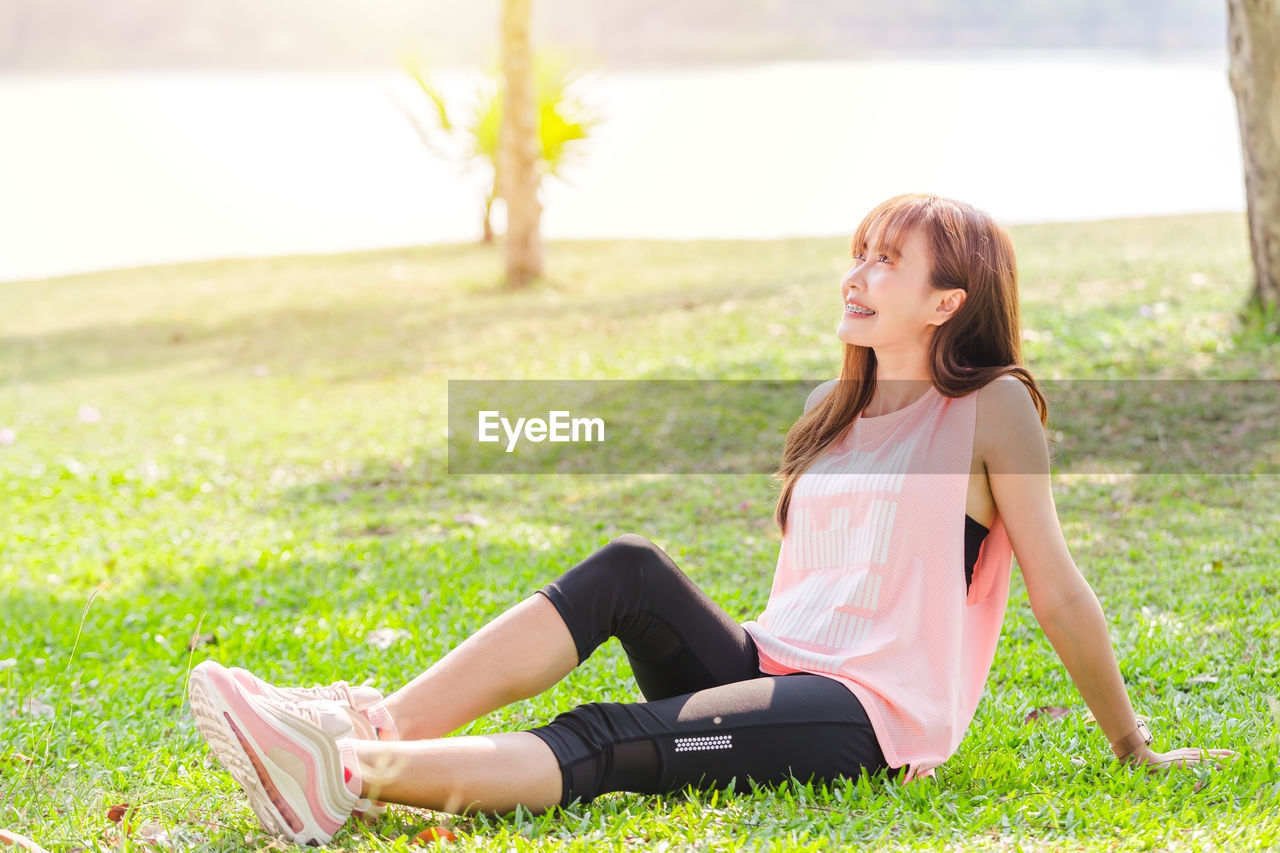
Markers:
point(974, 534)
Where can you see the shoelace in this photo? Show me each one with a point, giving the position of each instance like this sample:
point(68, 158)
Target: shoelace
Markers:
point(339, 692)
point(314, 709)
point(299, 708)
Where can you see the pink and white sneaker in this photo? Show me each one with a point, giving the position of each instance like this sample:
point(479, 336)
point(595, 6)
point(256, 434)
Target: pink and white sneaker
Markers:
point(334, 720)
point(287, 762)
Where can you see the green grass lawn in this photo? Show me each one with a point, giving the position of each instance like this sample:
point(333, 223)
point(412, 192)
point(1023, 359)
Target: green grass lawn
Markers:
point(254, 452)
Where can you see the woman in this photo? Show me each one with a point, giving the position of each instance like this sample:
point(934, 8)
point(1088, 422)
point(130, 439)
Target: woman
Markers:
point(907, 485)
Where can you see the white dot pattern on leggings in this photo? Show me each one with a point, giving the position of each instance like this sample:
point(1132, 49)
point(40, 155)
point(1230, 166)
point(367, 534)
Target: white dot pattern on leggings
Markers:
point(702, 744)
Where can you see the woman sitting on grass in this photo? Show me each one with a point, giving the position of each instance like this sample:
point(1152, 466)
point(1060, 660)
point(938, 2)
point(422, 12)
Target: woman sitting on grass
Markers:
point(907, 485)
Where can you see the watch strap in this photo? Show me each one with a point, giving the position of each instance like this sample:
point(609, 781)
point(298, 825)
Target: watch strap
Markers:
point(1127, 745)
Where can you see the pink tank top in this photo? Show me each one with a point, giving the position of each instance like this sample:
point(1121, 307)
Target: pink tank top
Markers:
point(866, 589)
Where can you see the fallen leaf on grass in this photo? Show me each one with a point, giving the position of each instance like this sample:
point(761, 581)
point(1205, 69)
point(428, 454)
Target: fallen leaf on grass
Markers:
point(435, 834)
point(385, 638)
point(1202, 679)
point(8, 838)
point(150, 835)
point(37, 708)
point(474, 519)
point(1048, 712)
point(154, 835)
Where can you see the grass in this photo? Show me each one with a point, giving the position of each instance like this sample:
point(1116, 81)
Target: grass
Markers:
point(253, 452)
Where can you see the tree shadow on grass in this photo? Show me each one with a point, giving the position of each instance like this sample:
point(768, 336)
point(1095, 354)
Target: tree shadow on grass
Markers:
point(348, 340)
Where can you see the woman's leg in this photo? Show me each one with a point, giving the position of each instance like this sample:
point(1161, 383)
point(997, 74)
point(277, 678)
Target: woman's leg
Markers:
point(765, 730)
point(677, 639)
point(489, 773)
point(281, 748)
point(519, 654)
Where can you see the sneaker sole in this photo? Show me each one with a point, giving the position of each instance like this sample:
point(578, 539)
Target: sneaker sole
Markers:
point(251, 756)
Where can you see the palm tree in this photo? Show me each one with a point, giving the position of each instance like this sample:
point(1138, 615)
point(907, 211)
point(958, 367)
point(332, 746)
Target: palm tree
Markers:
point(564, 120)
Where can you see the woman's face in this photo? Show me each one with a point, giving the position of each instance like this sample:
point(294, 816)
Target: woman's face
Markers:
point(888, 302)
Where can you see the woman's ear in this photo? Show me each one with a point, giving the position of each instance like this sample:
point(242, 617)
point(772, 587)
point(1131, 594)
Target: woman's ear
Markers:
point(948, 306)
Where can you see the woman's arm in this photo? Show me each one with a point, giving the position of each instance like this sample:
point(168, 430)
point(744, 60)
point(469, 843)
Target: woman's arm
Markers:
point(1011, 444)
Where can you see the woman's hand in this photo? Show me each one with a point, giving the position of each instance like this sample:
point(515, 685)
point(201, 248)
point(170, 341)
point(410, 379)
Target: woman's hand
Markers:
point(1152, 760)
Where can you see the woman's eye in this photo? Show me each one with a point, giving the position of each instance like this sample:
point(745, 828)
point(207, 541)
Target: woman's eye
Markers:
point(884, 259)
point(859, 256)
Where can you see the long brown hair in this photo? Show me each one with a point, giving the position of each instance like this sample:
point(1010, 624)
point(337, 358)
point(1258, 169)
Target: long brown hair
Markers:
point(979, 343)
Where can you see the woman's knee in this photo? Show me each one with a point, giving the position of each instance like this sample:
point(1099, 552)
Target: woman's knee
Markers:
point(631, 560)
point(633, 548)
point(601, 594)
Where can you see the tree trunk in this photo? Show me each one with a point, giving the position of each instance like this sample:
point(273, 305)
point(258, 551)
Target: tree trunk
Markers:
point(488, 237)
point(519, 147)
point(1255, 78)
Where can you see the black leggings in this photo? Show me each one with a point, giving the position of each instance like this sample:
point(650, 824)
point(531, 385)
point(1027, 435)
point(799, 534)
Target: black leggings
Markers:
point(711, 717)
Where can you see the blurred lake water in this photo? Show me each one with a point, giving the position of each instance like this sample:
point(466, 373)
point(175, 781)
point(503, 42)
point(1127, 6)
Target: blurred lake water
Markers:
point(118, 169)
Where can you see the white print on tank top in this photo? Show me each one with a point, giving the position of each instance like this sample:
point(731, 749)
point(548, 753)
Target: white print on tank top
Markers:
point(830, 475)
point(840, 557)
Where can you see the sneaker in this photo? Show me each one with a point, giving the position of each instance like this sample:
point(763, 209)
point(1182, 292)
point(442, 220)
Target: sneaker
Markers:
point(286, 761)
point(334, 720)
point(357, 698)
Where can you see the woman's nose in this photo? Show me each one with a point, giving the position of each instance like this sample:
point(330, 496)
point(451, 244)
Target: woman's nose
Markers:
point(852, 276)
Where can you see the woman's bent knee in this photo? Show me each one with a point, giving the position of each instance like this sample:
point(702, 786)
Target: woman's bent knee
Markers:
point(627, 563)
point(632, 549)
point(603, 591)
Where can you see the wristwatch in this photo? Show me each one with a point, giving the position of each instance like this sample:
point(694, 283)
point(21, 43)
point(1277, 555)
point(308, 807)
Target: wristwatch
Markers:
point(1127, 745)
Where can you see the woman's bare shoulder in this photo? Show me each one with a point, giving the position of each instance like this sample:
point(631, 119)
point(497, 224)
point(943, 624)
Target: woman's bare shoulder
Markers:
point(1008, 422)
point(1005, 395)
point(817, 395)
